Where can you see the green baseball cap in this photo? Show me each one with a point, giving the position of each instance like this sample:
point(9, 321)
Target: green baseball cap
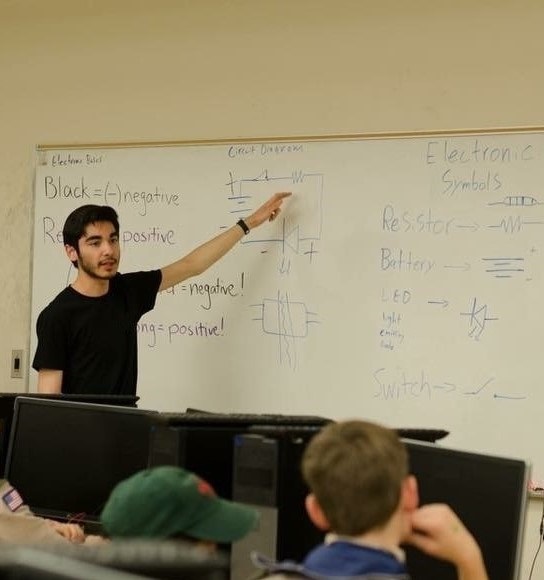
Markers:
point(166, 501)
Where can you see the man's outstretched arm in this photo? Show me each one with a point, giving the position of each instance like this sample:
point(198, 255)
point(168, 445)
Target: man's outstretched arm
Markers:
point(201, 258)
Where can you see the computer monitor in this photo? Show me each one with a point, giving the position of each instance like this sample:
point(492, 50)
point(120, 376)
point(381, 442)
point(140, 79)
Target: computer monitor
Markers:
point(7, 405)
point(66, 457)
point(488, 493)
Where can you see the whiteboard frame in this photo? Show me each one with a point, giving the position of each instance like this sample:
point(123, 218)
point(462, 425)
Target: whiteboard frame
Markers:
point(291, 139)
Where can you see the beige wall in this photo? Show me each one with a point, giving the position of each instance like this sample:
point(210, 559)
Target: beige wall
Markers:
point(132, 70)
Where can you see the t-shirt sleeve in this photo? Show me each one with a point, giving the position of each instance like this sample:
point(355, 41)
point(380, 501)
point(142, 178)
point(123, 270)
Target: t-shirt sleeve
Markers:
point(51, 349)
point(142, 287)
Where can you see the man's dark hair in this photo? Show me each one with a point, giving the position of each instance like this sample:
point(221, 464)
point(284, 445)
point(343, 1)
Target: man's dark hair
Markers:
point(80, 218)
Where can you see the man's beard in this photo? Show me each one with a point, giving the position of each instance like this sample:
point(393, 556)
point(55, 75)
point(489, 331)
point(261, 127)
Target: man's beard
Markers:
point(93, 271)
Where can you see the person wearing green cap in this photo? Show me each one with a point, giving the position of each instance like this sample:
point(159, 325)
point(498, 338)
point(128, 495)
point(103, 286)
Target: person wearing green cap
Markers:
point(170, 502)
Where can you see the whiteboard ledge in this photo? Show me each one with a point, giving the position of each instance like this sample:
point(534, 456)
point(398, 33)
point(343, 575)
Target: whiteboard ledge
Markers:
point(293, 139)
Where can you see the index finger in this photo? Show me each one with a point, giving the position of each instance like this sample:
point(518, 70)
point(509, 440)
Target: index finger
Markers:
point(282, 194)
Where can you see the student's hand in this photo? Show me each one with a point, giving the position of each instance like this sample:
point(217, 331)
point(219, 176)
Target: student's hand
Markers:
point(93, 540)
point(268, 211)
point(72, 532)
point(437, 531)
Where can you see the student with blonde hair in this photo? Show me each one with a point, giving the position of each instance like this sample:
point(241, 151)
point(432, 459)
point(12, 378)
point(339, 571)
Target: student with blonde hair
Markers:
point(362, 494)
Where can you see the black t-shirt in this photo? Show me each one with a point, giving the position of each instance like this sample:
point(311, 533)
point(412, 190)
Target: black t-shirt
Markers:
point(93, 340)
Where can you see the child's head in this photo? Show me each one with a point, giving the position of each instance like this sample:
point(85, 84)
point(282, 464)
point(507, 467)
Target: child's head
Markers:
point(356, 471)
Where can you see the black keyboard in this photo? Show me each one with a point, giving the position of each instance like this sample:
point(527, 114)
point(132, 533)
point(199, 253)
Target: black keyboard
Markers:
point(200, 418)
point(245, 419)
point(419, 434)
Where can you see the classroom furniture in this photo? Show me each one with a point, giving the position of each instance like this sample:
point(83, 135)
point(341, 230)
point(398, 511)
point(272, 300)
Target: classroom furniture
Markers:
point(204, 442)
point(255, 459)
point(145, 558)
point(267, 476)
point(32, 563)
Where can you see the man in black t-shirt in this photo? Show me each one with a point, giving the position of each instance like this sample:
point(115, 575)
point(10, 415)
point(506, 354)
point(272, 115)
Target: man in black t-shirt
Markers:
point(87, 342)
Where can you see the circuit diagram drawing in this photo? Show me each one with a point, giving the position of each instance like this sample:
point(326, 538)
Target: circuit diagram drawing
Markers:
point(517, 201)
point(289, 321)
point(478, 319)
point(301, 228)
point(514, 224)
point(503, 266)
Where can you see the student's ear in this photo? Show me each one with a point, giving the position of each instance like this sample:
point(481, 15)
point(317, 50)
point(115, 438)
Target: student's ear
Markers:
point(410, 494)
point(71, 253)
point(315, 513)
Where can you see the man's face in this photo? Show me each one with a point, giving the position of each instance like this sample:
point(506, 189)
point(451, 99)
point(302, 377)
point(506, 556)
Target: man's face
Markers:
point(98, 251)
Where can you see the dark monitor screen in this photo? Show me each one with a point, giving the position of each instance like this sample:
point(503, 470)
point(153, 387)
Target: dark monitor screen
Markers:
point(487, 492)
point(65, 457)
point(7, 405)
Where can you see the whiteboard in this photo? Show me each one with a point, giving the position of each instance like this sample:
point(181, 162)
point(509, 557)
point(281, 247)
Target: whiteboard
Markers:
point(403, 283)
